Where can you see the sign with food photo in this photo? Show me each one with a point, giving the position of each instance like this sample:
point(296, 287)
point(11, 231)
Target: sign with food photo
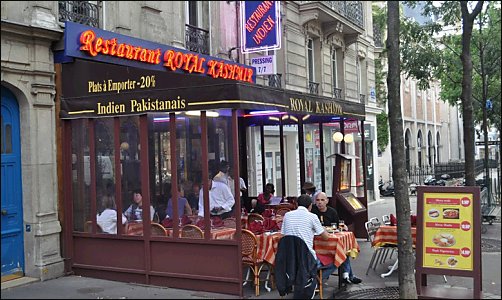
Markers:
point(448, 233)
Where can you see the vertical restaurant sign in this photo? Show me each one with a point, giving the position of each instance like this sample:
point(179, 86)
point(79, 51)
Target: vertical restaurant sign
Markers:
point(105, 46)
point(448, 231)
point(260, 26)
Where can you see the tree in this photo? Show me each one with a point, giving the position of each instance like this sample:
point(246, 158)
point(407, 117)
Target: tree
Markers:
point(407, 288)
point(423, 60)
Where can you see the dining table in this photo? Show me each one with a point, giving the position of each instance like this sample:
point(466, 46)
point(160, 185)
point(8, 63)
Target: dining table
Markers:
point(387, 235)
point(335, 249)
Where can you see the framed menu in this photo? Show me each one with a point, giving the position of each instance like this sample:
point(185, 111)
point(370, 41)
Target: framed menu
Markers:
point(449, 238)
point(342, 178)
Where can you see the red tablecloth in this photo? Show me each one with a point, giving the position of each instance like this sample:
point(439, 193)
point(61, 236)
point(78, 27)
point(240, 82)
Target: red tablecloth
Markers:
point(388, 235)
point(335, 249)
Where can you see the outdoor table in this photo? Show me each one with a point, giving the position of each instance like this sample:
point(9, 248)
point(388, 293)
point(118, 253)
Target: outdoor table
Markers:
point(387, 235)
point(333, 250)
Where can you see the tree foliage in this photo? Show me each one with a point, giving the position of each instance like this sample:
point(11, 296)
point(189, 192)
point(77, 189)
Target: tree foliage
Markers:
point(424, 58)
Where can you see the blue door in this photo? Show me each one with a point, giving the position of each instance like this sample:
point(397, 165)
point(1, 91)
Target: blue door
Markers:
point(12, 208)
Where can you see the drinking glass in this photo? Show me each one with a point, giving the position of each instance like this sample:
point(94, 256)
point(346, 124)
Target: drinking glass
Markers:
point(342, 225)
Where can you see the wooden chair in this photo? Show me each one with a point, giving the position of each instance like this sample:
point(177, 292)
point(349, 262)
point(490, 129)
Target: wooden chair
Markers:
point(88, 227)
point(282, 211)
point(254, 217)
point(320, 288)
point(249, 251)
point(158, 230)
point(192, 231)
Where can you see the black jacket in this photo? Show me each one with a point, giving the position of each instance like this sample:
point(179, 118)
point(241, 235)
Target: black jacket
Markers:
point(295, 266)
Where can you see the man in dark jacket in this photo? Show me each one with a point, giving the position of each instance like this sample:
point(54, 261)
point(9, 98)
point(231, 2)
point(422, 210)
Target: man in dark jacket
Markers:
point(295, 266)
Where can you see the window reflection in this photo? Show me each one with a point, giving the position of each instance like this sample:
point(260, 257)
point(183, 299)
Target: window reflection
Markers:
point(80, 174)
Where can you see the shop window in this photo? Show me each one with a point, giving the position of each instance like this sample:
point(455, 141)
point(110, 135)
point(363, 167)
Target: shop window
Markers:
point(330, 148)
point(80, 174)
point(105, 174)
point(312, 148)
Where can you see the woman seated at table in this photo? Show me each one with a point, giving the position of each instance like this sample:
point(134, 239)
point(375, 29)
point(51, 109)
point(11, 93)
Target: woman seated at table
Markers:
point(258, 205)
point(135, 211)
point(328, 215)
point(183, 205)
point(107, 215)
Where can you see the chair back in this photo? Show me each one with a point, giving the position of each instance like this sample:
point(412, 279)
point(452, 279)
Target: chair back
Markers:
point(249, 246)
point(282, 211)
point(254, 217)
point(230, 222)
point(192, 231)
point(371, 229)
point(375, 221)
point(88, 227)
point(386, 219)
point(158, 230)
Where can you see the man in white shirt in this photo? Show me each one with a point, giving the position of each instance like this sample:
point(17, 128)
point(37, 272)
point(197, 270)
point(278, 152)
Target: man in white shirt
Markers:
point(221, 200)
point(222, 175)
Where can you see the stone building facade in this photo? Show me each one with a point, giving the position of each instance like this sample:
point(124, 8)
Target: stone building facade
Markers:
point(327, 50)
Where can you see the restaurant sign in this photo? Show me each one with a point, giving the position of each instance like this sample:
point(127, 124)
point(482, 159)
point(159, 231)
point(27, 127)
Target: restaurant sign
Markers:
point(104, 46)
point(449, 234)
point(261, 26)
point(95, 89)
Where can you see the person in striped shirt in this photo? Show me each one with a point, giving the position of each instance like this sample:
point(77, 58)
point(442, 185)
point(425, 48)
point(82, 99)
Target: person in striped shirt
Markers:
point(305, 225)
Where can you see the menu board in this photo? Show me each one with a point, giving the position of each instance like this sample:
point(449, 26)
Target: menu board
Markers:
point(448, 235)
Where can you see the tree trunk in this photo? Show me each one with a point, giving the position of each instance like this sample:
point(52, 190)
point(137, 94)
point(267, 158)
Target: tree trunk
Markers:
point(466, 96)
point(407, 287)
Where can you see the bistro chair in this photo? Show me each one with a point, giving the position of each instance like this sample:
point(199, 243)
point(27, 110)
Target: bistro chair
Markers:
point(320, 288)
point(254, 217)
point(158, 230)
point(88, 227)
point(386, 220)
point(378, 251)
point(249, 251)
point(282, 211)
point(191, 231)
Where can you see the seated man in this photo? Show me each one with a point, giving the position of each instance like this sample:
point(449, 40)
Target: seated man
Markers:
point(305, 225)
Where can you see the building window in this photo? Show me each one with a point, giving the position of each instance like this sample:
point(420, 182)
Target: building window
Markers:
point(192, 13)
point(419, 147)
point(310, 58)
point(334, 68)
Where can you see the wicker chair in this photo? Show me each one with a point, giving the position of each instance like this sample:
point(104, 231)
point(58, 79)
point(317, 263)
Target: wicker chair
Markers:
point(254, 217)
point(191, 231)
point(282, 211)
point(158, 230)
point(250, 257)
point(320, 288)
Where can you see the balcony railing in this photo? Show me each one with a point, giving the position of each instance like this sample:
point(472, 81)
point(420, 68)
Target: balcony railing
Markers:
point(196, 39)
point(352, 10)
point(275, 80)
point(81, 12)
point(313, 87)
point(337, 93)
point(362, 98)
point(377, 36)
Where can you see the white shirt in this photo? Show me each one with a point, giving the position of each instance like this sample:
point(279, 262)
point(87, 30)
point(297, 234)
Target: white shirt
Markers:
point(221, 177)
point(108, 220)
point(303, 224)
point(219, 196)
point(242, 185)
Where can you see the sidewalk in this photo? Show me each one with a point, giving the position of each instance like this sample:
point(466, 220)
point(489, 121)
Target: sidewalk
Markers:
point(372, 287)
